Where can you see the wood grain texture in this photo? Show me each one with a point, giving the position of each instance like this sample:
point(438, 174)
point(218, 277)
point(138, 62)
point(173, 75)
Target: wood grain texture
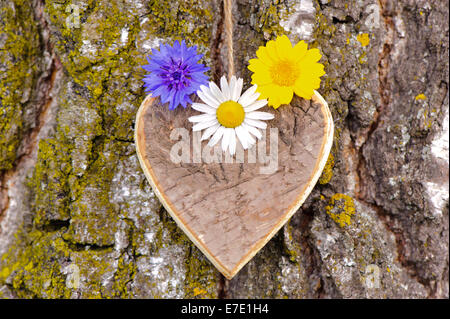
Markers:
point(231, 210)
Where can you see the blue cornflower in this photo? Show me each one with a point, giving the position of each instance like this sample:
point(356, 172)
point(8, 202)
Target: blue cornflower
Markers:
point(174, 73)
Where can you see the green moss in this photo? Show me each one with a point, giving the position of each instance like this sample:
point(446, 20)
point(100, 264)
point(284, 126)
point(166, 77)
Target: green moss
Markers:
point(190, 20)
point(324, 29)
point(292, 248)
point(125, 274)
point(95, 266)
point(19, 61)
point(50, 182)
point(93, 217)
point(201, 276)
point(327, 172)
point(33, 268)
point(323, 32)
point(27, 269)
point(62, 191)
point(341, 208)
point(268, 18)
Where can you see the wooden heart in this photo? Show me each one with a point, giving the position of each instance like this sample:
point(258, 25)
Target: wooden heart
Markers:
point(231, 210)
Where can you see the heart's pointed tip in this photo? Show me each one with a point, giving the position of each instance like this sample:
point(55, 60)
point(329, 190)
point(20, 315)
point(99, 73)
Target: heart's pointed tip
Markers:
point(228, 276)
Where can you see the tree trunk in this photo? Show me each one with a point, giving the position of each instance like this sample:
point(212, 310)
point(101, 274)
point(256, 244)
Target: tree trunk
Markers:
point(78, 219)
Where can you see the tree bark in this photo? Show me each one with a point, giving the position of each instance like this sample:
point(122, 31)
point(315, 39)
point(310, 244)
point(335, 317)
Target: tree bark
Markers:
point(78, 219)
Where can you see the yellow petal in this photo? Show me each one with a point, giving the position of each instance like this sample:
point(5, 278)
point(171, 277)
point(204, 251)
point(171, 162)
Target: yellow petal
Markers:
point(304, 82)
point(318, 69)
point(300, 50)
point(315, 83)
point(276, 95)
point(303, 94)
point(303, 89)
point(256, 65)
point(261, 77)
point(266, 90)
point(271, 50)
point(284, 47)
point(311, 69)
point(311, 56)
point(274, 101)
point(263, 55)
point(286, 94)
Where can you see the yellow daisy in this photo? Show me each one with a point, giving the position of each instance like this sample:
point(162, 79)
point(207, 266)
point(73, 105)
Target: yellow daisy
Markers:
point(282, 70)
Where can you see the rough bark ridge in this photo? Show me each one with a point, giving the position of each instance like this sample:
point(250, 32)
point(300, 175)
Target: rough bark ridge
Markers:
point(74, 202)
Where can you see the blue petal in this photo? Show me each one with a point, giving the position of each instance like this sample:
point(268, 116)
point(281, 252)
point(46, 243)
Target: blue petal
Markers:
point(183, 50)
point(176, 100)
point(153, 80)
point(160, 91)
point(187, 99)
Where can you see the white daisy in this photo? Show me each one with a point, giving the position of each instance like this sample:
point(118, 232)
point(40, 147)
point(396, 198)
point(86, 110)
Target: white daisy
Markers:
point(228, 114)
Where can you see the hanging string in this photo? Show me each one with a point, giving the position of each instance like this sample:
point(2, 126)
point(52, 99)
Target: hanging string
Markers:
point(228, 9)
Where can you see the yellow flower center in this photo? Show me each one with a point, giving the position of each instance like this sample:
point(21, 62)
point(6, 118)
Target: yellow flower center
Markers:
point(284, 73)
point(230, 114)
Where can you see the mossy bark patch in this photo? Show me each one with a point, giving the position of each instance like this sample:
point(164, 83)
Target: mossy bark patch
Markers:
point(20, 64)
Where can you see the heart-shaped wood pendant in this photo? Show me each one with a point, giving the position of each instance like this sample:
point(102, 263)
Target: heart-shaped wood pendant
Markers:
point(231, 210)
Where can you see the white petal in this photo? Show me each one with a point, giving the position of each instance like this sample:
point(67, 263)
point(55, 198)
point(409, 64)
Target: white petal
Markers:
point(216, 137)
point(204, 108)
point(250, 91)
point(210, 131)
point(240, 132)
point(259, 116)
point(249, 100)
point(255, 106)
point(237, 89)
point(225, 88)
point(250, 139)
point(202, 125)
point(225, 140)
point(256, 123)
point(232, 146)
point(201, 118)
point(209, 94)
point(252, 130)
point(207, 100)
point(232, 85)
point(217, 92)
